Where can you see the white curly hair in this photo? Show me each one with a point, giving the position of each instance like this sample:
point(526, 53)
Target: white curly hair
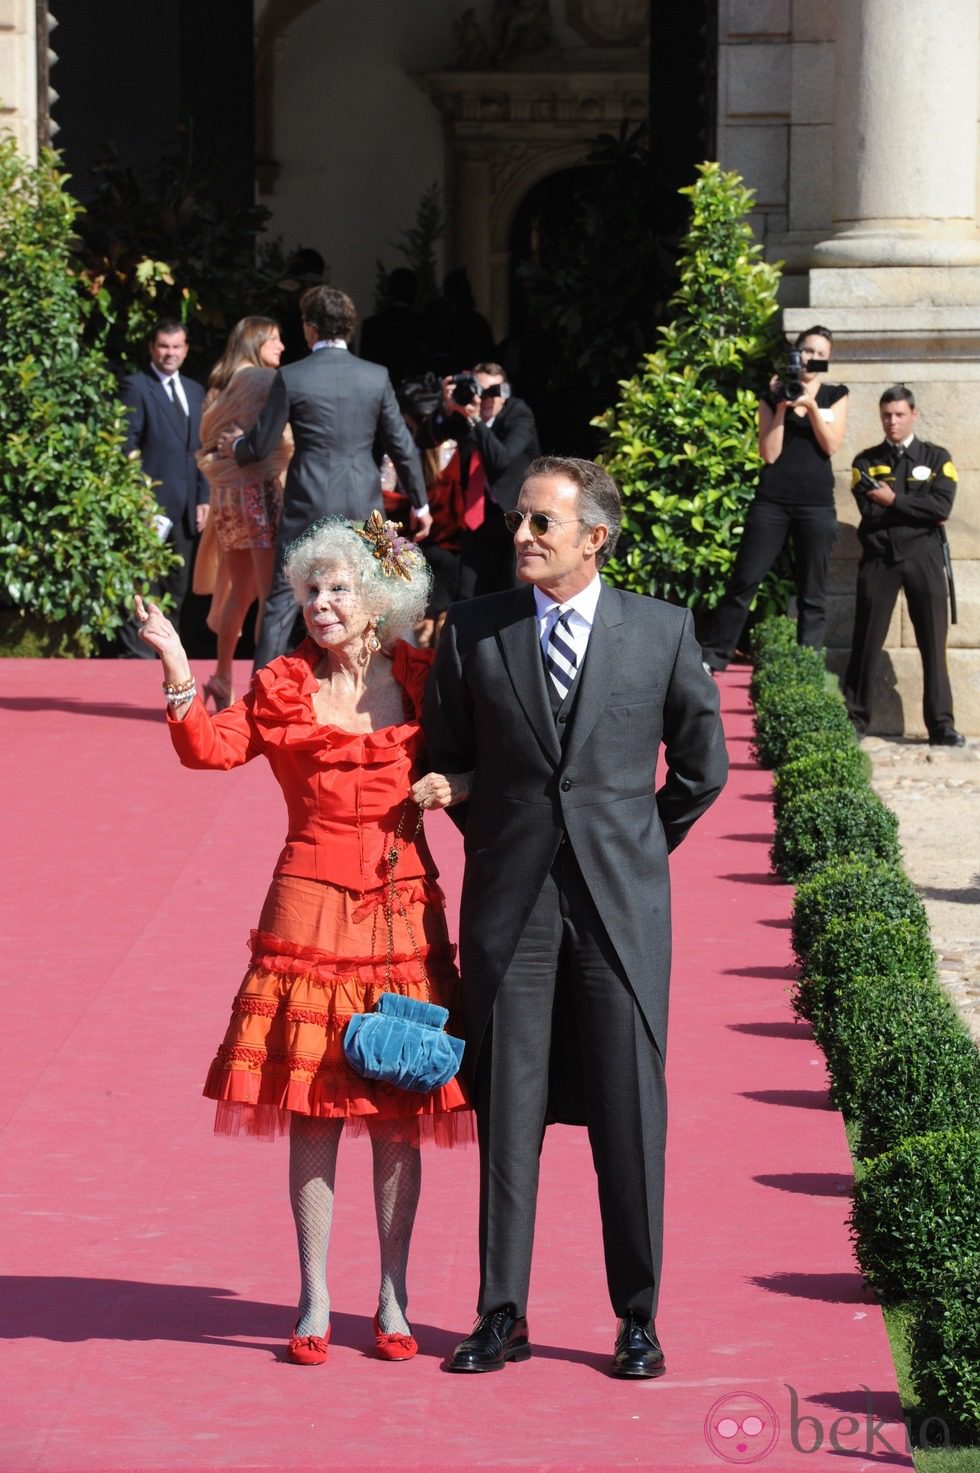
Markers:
point(395, 605)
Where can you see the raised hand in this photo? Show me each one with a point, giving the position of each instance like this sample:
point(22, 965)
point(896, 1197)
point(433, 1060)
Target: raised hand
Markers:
point(157, 631)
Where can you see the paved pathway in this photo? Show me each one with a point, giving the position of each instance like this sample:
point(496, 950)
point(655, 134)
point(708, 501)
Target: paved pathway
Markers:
point(935, 791)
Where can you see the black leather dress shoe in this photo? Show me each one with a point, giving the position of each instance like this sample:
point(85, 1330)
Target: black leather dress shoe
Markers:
point(948, 738)
point(638, 1355)
point(499, 1336)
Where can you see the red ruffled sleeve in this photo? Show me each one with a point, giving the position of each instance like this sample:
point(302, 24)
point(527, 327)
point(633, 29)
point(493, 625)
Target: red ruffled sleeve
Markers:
point(410, 668)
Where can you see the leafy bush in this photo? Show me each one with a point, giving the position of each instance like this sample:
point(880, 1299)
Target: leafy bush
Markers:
point(781, 668)
point(852, 887)
point(945, 1349)
point(928, 1075)
point(841, 767)
point(800, 709)
point(860, 945)
point(770, 635)
point(868, 1019)
point(819, 741)
point(165, 243)
point(75, 511)
point(681, 442)
point(914, 1209)
point(829, 824)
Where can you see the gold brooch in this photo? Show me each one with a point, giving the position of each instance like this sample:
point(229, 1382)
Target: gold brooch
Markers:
point(395, 553)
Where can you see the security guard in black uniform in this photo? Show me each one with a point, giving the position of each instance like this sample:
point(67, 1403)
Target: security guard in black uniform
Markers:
point(905, 489)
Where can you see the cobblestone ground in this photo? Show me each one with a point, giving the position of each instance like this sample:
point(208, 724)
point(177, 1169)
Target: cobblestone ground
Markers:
point(935, 792)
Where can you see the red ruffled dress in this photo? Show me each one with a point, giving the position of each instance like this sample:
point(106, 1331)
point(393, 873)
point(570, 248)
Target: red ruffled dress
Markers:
point(321, 951)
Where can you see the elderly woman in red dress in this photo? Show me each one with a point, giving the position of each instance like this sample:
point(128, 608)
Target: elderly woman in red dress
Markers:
point(338, 722)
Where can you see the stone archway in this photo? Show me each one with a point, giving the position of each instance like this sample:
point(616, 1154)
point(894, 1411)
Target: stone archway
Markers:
point(506, 131)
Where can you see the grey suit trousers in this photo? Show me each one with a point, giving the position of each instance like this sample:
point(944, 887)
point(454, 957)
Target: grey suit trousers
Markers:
point(566, 964)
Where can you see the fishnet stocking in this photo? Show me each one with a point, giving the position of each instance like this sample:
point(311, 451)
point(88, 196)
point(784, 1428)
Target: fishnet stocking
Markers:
point(312, 1171)
point(397, 1181)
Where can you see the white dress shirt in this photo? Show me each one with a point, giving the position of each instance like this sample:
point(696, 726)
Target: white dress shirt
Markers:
point(173, 387)
point(581, 611)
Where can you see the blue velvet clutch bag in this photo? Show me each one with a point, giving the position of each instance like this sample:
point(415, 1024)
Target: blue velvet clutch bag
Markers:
point(403, 1042)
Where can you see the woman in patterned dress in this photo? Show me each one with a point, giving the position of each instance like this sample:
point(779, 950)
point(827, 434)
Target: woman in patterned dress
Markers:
point(245, 500)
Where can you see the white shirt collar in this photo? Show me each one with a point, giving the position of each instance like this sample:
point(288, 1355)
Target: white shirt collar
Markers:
point(328, 343)
point(584, 604)
point(165, 378)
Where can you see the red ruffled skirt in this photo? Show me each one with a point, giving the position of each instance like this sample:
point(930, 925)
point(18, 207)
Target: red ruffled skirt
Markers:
point(319, 955)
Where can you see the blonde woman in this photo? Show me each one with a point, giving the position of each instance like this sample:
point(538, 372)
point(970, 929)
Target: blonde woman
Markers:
point(245, 500)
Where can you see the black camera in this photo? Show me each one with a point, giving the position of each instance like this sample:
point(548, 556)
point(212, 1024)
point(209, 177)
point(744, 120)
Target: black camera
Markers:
point(791, 375)
point(465, 389)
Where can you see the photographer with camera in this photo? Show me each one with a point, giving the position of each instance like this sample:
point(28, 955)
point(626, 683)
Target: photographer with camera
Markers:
point(802, 420)
point(496, 439)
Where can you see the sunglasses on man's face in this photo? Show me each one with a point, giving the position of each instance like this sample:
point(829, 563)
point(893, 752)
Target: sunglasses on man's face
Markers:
point(539, 523)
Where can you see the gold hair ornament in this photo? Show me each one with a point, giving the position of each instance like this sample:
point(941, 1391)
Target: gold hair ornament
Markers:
point(395, 553)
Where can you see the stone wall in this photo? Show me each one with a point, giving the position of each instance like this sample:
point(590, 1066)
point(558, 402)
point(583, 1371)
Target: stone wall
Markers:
point(18, 73)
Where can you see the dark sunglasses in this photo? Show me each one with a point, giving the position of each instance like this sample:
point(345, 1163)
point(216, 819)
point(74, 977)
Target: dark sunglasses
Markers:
point(538, 522)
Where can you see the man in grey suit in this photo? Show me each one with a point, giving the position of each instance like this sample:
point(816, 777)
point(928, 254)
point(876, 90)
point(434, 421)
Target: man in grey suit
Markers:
point(338, 406)
point(557, 697)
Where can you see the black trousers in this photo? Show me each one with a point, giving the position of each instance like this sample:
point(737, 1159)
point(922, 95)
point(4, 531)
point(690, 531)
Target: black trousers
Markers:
point(922, 578)
point(176, 583)
point(767, 526)
point(565, 959)
point(277, 636)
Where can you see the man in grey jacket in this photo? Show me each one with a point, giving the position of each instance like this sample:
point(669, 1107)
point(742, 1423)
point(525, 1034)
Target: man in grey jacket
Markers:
point(554, 700)
point(338, 407)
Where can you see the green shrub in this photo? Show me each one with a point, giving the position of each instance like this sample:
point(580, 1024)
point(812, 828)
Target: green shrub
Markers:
point(818, 741)
point(840, 767)
point(861, 945)
point(75, 512)
point(771, 634)
point(945, 1344)
point(852, 887)
point(927, 1076)
point(914, 1209)
point(830, 824)
point(682, 440)
point(867, 1024)
point(781, 668)
point(800, 709)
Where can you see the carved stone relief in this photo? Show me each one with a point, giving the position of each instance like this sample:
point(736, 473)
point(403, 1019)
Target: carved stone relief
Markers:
point(610, 22)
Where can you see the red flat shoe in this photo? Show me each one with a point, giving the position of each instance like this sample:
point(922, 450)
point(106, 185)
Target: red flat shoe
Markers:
point(308, 1350)
point(393, 1347)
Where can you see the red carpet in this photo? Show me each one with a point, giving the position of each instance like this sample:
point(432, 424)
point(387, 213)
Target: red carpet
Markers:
point(148, 1277)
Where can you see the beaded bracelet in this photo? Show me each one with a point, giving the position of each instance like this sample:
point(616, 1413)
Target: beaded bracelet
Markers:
point(179, 686)
point(180, 698)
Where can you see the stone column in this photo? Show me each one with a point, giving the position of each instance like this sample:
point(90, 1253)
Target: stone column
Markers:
point(905, 134)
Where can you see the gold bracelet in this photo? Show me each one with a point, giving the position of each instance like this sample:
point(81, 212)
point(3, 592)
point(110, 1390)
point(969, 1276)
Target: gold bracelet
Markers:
point(179, 688)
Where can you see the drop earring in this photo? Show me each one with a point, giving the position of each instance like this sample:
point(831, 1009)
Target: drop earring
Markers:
point(373, 643)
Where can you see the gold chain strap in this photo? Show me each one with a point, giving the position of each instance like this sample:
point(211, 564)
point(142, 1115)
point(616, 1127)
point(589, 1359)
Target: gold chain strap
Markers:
point(391, 900)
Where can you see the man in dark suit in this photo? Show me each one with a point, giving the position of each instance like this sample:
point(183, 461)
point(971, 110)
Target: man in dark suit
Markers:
point(337, 406)
point(497, 439)
point(904, 489)
point(556, 697)
point(165, 427)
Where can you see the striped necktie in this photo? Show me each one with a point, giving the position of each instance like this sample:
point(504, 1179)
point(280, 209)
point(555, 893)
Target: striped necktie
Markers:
point(560, 657)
